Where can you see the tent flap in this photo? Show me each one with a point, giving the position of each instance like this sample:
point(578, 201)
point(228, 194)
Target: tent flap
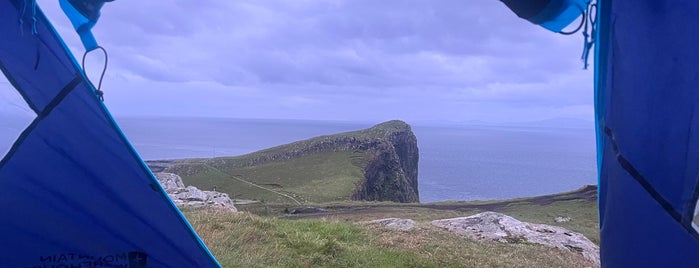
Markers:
point(647, 98)
point(74, 190)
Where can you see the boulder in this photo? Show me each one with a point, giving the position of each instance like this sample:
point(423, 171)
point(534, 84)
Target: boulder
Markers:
point(395, 223)
point(191, 196)
point(172, 183)
point(561, 219)
point(502, 228)
point(220, 200)
point(191, 193)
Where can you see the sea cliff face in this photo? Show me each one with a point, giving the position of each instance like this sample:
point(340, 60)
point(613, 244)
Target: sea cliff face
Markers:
point(391, 173)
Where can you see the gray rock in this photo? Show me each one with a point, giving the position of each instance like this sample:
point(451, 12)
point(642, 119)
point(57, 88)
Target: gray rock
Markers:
point(561, 219)
point(396, 223)
point(502, 228)
point(191, 196)
point(217, 199)
point(191, 193)
point(172, 183)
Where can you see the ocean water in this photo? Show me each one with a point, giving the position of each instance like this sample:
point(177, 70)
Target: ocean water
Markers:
point(457, 162)
point(491, 162)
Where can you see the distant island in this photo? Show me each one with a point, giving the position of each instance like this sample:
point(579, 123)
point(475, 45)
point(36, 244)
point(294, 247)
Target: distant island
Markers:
point(375, 164)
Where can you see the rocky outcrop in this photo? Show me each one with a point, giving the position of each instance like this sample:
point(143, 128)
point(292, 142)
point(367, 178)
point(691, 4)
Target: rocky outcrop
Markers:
point(191, 196)
point(395, 223)
point(502, 228)
point(170, 182)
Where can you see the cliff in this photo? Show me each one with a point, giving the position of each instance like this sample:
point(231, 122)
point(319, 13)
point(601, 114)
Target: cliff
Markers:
point(391, 173)
point(386, 156)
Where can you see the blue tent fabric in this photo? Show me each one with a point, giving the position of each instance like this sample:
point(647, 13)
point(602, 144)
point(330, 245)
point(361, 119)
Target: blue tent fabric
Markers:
point(553, 15)
point(647, 97)
point(74, 191)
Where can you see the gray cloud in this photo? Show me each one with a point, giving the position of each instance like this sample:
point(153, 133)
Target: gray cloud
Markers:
point(336, 59)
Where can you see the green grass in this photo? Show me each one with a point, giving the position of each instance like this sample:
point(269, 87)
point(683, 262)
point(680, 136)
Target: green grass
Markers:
point(246, 240)
point(318, 177)
point(580, 206)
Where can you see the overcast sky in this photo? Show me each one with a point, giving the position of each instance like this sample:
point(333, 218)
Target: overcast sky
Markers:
point(338, 60)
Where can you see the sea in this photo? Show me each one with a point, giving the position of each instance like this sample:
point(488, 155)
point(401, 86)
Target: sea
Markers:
point(458, 161)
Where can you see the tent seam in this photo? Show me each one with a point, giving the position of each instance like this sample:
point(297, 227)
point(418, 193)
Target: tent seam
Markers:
point(40, 116)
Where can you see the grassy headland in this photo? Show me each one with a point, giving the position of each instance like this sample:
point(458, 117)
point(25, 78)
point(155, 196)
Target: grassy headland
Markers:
point(322, 169)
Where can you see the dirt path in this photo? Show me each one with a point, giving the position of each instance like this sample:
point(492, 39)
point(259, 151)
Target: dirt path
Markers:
point(251, 183)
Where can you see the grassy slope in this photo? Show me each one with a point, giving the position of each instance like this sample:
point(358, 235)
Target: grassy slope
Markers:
point(579, 205)
point(246, 240)
point(337, 238)
point(318, 177)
